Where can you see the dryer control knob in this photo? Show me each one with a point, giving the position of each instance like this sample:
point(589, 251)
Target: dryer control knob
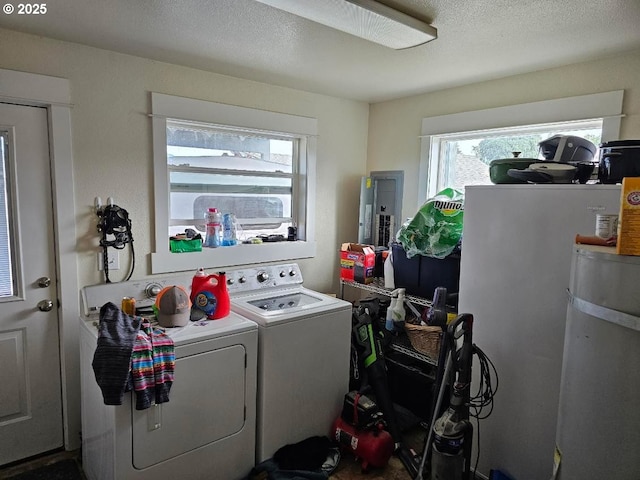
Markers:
point(230, 281)
point(263, 277)
point(242, 279)
point(152, 290)
point(293, 273)
point(282, 274)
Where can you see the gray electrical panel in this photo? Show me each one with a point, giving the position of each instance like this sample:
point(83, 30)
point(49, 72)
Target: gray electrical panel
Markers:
point(380, 207)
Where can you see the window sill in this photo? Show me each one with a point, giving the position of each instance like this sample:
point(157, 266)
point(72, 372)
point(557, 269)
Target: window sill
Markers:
point(223, 257)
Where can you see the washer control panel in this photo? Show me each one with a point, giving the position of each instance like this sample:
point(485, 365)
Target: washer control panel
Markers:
point(144, 291)
point(264, 276)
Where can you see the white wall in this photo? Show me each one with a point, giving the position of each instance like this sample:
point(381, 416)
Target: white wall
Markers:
point(112, 142)
point(394, 126)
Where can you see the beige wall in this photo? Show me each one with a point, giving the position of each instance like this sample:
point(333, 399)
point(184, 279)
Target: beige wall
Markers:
point(394, 126)
point(112, 133)
point(112, 149)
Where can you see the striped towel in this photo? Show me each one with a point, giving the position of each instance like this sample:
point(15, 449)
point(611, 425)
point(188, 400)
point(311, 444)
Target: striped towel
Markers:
point(152, 366)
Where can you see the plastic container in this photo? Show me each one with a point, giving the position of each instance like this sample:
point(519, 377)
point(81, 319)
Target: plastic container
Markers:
point(209, 294)
point(229, 236)
point(214, 228)
point(389, 281)
point(398, 312)
point(388, 324)
point(421, 275)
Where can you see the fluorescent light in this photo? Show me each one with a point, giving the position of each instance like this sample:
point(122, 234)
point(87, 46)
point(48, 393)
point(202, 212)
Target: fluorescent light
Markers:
point(366, 19)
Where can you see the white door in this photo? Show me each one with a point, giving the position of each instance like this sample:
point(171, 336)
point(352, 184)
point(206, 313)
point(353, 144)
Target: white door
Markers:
point(30, 380)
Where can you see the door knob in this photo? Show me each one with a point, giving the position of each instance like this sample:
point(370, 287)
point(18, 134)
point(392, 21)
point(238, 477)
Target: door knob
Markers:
point(44, 282)
point(45, 305)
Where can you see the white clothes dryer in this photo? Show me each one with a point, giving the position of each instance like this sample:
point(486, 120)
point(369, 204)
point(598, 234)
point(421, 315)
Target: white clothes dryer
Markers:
point(303, 353)
point(206, 430)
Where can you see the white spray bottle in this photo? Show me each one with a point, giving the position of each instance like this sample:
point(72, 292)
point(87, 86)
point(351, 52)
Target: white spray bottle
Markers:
point(397, 311)
point(388, 271)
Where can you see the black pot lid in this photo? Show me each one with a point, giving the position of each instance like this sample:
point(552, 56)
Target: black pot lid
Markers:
point(621, 143)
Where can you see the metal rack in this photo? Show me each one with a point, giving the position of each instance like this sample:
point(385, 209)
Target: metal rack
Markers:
point(377, 287)
point(401, 345)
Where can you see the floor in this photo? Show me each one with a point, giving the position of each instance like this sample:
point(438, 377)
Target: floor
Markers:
point(67, 466)
point(350, 469)
point(56, 468)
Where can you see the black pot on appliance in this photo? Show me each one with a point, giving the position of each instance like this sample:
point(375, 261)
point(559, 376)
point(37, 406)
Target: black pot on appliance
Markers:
point(576, 151)
point(619, 159)
point(567, 148)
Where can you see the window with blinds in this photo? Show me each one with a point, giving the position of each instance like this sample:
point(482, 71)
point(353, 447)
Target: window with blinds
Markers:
point(7, 276)
point(247, 173)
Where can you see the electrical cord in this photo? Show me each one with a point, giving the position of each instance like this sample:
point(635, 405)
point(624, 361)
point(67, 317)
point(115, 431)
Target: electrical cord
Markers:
point(483, 399)
point(115, 221)
point(487, 388)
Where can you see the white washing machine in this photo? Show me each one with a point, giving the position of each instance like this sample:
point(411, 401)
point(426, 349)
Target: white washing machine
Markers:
point(206, 430)
point(303, 353)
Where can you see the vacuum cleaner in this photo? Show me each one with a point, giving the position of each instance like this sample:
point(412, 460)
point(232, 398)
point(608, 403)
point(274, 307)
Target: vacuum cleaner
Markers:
point(448, 443)
point(447, 448)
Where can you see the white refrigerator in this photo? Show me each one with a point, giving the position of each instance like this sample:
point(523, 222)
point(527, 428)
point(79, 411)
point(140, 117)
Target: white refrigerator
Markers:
point(514, 274)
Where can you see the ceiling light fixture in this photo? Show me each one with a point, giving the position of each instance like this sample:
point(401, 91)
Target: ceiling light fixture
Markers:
point(366, 19)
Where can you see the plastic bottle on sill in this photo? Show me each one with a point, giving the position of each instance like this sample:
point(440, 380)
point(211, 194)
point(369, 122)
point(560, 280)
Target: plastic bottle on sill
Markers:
point(229, 236)
point(214, 228)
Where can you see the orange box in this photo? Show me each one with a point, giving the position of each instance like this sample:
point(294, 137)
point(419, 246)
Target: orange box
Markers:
point(357, 262)
point(629, 219)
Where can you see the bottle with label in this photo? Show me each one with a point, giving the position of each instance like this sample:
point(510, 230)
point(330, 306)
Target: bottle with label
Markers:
point(210, 295)
point(229, 237)
point(214, 228)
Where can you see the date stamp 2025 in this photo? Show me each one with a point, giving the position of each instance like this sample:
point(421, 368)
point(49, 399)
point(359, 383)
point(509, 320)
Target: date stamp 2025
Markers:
point(25, 8)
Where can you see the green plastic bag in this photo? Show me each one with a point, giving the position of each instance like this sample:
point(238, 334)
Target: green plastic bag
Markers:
point(436, 228)
point(185, 245)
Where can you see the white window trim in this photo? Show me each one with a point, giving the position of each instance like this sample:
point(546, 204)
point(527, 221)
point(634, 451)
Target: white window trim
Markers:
point(607, 106)
point(168, 106)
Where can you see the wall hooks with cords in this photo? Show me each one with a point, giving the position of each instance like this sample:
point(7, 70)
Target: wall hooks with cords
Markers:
point(114, 226)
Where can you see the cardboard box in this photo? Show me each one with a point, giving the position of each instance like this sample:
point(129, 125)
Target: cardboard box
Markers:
point(629, 218)
point(357, 262)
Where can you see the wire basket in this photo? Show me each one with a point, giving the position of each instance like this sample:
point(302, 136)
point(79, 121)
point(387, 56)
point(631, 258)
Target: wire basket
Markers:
point(424, 339)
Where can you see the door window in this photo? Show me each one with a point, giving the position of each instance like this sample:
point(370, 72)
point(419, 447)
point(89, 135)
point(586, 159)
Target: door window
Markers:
point(7, 274)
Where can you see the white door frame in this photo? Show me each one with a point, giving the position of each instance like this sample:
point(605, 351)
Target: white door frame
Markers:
point(54, 94)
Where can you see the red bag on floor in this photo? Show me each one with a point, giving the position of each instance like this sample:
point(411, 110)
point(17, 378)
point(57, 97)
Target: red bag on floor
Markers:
point(372, 447)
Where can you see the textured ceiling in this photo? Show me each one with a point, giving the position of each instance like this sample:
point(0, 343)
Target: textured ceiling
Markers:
point(477, 40)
